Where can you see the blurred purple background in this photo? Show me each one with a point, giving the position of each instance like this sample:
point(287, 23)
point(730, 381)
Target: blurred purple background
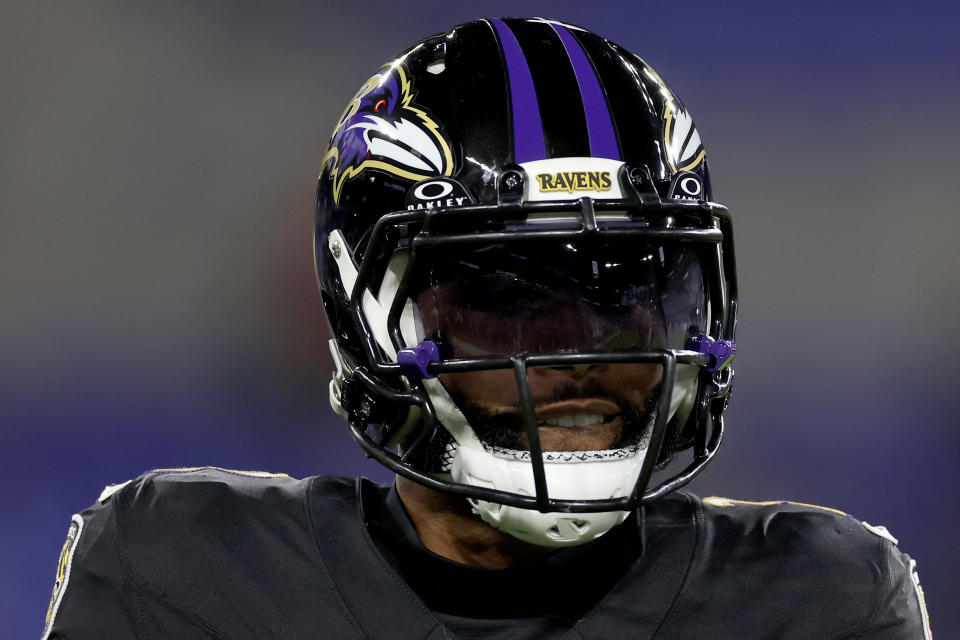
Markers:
point(159, 307)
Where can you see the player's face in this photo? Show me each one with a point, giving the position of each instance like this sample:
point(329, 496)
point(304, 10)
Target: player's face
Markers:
point(579, 408)
point(576, 300)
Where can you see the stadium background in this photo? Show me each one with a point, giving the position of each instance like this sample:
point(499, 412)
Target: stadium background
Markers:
point(159, 307)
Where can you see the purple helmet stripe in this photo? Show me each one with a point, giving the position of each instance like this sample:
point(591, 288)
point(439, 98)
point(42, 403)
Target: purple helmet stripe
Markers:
point(528, 143)
point(603, 140)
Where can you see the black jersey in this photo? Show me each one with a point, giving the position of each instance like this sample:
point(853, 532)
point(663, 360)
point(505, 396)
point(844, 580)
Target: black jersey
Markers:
point(211, 553)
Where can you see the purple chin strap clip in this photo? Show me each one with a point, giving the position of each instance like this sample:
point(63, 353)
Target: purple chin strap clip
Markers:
point(413, 361)
point(721, 350)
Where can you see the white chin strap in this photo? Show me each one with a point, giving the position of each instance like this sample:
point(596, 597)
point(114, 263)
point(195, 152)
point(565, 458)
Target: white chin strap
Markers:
point(571, 479)
point(576, 475)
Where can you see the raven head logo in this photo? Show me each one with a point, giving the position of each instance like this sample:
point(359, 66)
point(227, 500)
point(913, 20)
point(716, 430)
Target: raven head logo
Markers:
point(380, 129)
point(682, 143)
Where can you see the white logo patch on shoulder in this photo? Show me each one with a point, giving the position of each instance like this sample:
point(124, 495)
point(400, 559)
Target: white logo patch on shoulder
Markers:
point(64, 565)
point(111, 489)
point(881, 531)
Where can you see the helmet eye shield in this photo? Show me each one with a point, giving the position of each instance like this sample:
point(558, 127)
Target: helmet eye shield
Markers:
point(574, 298)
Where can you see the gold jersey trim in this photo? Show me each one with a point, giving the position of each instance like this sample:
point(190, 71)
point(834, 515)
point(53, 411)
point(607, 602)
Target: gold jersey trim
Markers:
point(239, 472)
point(717, 501)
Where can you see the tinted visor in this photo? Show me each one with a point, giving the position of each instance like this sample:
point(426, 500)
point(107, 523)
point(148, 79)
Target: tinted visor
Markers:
point(583, 297)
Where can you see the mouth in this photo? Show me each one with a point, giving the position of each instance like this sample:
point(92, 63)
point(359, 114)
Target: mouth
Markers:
point(582, 413)
point(588, 424)
point(582, 424)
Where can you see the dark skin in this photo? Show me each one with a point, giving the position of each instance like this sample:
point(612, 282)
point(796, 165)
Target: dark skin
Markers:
point(447, 527)
point(445, 523)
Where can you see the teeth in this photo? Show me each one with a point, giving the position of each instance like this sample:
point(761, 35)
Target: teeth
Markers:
point(574, 420)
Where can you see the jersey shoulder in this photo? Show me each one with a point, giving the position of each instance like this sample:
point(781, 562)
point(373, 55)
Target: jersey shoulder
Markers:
point(816, 532)
point(177, 552)
point(780, 552)
point(169, 499)
point(142, 535)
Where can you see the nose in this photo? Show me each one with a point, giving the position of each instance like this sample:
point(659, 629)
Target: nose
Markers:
point(579, 370)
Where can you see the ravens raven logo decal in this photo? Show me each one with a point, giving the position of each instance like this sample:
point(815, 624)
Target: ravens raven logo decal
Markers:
point(381, 129)
point(681, 140)
point(683, 147)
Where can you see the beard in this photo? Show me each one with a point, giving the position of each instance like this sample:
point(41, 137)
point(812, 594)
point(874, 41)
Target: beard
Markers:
point(507, 429)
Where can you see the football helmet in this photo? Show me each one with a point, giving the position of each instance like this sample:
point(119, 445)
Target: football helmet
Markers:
point(515, 244)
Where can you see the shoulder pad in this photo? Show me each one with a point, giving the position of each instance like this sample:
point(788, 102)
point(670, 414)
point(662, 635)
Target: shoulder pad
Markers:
point(188, 474)
point(752, 509)
point(214, 471)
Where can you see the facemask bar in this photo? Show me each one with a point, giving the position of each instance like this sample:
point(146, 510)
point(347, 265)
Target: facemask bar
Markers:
point(419, 228)
point(667, 359)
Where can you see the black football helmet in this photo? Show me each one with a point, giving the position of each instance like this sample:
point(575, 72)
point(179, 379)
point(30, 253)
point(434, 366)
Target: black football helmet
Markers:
point(508, 201)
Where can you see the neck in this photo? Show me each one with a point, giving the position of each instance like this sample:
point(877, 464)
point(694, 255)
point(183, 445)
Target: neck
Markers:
point(446, 526)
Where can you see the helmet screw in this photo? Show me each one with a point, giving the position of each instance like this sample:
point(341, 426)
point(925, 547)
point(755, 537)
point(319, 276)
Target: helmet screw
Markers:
point(512, 180)
point(335, 248)
point(365, 408)
point(637, 176)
